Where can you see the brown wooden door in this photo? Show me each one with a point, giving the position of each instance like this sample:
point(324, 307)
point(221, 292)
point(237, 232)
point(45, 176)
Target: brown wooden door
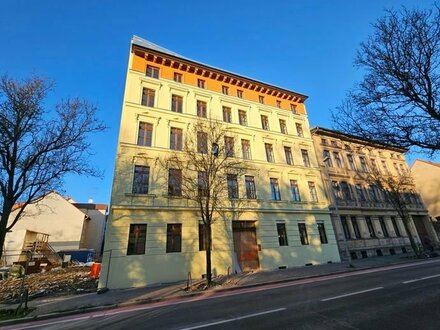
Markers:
point(245, 245)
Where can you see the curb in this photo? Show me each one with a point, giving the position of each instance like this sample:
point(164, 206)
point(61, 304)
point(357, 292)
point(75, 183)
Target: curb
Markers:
point(146, 301)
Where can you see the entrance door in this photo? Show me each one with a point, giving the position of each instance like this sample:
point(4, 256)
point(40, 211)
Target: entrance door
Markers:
point(245, 244)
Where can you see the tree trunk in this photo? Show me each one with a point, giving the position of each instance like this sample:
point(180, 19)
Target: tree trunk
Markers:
point(208, 254)
point(6, 212)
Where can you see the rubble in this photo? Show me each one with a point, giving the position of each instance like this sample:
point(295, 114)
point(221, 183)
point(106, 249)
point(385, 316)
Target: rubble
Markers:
point(57, 281)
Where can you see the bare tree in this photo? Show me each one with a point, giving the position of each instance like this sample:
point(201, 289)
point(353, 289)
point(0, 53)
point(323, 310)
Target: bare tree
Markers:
point(397, 102)
point(39, 147)
point(207, 169)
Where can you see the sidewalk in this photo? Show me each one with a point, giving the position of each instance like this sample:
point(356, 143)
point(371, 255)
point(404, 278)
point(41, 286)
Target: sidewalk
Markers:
point(51, 306)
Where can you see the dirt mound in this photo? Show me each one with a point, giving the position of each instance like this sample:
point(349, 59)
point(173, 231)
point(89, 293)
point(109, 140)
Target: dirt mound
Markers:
point(61, 281)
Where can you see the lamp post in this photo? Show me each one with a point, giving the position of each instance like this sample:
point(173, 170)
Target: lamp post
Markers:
point(338, 216)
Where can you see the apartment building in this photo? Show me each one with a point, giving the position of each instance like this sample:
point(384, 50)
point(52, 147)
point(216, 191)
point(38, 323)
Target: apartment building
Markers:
point(366, 221)
point(153, 233)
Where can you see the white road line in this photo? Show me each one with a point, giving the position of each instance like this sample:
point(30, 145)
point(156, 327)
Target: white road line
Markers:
point(52, 323)
point(352, 293)
point(234, 319)
point(421, 279)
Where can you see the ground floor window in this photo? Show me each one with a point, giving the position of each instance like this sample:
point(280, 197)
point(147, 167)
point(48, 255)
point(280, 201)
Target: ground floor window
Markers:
point(322, 233)
point(137, 239)
point(174, 237)
point(282, 234)
point(303, 233)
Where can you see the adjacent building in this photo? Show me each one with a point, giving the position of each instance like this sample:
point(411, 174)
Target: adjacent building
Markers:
point(426, 175)
point(366, 222)
point(55, 223)
point(153, 233)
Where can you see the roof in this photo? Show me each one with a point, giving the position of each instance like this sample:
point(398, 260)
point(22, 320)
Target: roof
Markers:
point(138, 41)
point(90, 206)
point(427, 162)
point(355, 138)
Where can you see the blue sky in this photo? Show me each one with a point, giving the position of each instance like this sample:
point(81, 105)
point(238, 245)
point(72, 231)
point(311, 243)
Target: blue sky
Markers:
point(303, 45)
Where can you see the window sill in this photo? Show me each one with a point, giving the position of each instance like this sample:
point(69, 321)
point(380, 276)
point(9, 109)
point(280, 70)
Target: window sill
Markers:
point(139, 195)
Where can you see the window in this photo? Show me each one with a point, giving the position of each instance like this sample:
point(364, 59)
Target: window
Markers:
point(239, 93)
point(293, 108)
point(226, 114)
point(202, 237)
point(174, 182)
point(137, 238)
point(148, 97)
point(269, 153)
point(337, 190)
point(351, 162)
point(305, 157)
point(232, 186)
point(345, 227)
point(229, 146)
point(202, 184)
point(364, 167)
point(175, 138)
point(333, 143)
point(246, 149)
point(282, 234)
point(264, 122)
point(294, 189)
point(288, 153)
point(355, 226)
point(385, 167)
point(313, 193)
point(374, 165)
point(327, 159)
point(338, 160)
point(360, 193)
point(299, 130)
point(201, 108)
point(283, 126)
point(275, 189)
point(201, 83)
point(177, 77)
point(402, 169)
point(261, 99)
point(174, 237)
point(145, 134)
point(370, 226)
point(250, 187)
point(303, 233)
point(345, 189)
point(395, 226)
point(396, 168)
point(141, 179)
point(152, 72)
point(242, 117)
point(225, 90)
point(202, 142)
point(324, 142)
point(384, 227)
point(278, 104)
point(322, 234)
point(373, 193)
point(176, 103)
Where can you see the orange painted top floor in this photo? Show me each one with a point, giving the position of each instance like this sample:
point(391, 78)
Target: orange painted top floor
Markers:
point(190, 73)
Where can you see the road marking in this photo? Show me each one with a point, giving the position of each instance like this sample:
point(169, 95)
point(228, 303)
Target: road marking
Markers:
point(421, 279)
point(352, 293)
point(51, 323)
point(234, 319)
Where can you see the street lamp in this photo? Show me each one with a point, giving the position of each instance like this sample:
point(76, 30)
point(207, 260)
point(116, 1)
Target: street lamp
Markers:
point(335, 204)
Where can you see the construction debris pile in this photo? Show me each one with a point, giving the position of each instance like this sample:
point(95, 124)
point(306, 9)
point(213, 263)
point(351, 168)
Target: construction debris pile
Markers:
point(57, 281)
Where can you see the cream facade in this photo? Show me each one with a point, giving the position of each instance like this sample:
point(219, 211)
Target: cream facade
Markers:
point(427, 179)
point(152, 236)
point(365, 221)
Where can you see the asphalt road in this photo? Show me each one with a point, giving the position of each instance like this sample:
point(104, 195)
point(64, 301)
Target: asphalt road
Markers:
point(402, 298)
